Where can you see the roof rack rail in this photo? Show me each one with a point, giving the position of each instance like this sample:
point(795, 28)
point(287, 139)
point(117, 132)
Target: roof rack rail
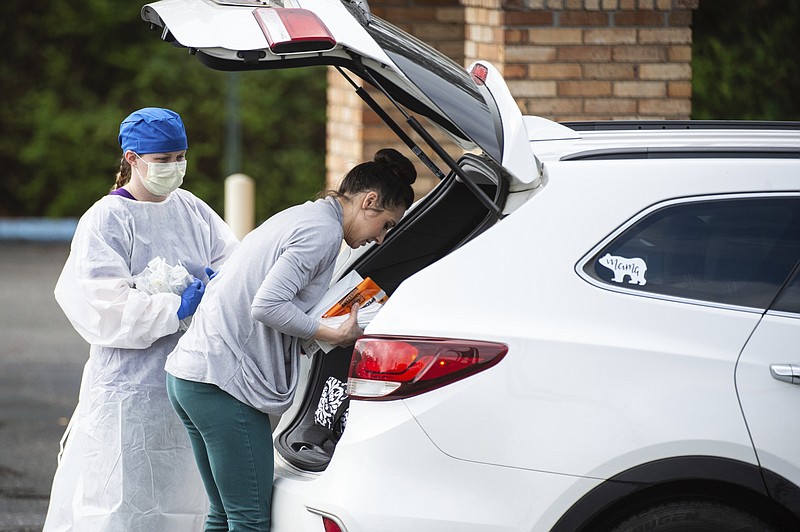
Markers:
point(719, 152)
point(622, 125)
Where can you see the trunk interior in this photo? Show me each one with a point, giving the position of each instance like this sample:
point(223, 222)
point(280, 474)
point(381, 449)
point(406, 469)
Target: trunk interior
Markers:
point(445, 219)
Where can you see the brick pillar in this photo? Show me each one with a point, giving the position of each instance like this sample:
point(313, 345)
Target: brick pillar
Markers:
point(562, 59)
point(344, 130)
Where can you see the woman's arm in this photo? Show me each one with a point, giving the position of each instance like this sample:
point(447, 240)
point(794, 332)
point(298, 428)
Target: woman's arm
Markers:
point(308, 254)
point(96, 290)
point(347, 333)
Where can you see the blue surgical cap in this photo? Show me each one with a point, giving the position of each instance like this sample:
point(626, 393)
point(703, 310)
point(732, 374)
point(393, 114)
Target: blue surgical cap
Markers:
point(152, 130)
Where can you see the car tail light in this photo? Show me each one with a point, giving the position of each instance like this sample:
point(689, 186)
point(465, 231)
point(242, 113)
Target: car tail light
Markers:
point(385, 367)
point(292, 30)
point(330, 525)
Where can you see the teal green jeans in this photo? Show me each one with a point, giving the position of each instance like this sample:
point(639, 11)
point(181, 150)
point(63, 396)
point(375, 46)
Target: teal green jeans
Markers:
point(232, 445)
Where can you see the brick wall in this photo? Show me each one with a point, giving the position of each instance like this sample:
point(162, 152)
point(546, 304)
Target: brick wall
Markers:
point(562, 59)
point(588, 59)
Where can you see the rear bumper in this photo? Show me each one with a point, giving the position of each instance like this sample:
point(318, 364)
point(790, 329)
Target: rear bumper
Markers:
point(387, 475)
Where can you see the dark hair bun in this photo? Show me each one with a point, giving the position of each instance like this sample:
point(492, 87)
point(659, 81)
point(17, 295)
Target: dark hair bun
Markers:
point(389, 174)
point(398, 163)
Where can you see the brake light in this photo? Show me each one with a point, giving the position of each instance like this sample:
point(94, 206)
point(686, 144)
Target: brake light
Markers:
point(292, 30)
point(479, 73)
point(384, 367)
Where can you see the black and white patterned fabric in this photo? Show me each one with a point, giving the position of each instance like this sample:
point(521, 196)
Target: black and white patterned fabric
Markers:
point(333, 395)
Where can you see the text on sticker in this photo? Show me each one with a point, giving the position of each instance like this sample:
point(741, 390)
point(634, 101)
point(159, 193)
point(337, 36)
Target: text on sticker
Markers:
point(634, 268)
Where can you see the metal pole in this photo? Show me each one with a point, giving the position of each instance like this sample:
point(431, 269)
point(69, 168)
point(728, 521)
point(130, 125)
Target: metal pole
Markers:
point(233, 125)
point(240, 213)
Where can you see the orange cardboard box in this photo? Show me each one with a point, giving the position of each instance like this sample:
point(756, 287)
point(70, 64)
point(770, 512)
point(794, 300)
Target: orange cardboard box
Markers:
point(365, 293)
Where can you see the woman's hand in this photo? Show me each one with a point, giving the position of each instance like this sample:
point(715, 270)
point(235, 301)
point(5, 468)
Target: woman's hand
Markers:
point(347, 333)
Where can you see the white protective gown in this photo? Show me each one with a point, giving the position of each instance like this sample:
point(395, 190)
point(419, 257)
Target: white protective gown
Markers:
point(127, 464)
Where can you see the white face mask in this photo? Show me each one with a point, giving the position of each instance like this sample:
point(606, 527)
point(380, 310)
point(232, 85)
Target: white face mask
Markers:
point(163, 178)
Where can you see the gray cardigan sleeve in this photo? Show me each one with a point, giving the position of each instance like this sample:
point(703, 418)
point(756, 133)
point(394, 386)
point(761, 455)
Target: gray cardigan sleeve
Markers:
point(308, 253)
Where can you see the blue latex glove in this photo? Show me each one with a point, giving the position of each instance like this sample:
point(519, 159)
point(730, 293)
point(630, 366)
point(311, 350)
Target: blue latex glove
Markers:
point(211, 273)
point(190, 298)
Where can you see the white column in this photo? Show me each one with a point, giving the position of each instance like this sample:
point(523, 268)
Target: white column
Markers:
point(240, 203)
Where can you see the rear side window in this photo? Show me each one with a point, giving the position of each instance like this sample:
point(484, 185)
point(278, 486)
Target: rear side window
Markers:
point(730, 251)
point(789, 299)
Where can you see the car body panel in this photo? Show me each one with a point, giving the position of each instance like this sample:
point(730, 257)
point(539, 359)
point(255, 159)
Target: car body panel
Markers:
point(548, 315)
point(463, 497)
point(769, 404)
point(517, 158)
point(207, 25)
point(611, 203)
point(552, 147)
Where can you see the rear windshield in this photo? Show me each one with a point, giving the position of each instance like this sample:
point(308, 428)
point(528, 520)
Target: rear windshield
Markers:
point(443, 81)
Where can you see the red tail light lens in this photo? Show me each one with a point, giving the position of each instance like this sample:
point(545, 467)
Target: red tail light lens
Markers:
point(330, 525)
point(479, 73)
point(385, 367)
point(292, 30)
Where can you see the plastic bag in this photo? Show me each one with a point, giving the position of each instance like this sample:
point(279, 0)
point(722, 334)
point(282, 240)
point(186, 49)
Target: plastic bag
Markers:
point(159, 277)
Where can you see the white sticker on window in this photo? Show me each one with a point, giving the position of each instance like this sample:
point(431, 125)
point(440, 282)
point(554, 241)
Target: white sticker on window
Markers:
point(634, 268)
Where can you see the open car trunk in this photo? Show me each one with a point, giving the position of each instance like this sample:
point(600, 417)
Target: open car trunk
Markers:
point(446, 218)
point(474, 108)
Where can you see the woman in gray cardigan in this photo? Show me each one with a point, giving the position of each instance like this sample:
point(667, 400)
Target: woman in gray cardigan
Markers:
point(238, 362)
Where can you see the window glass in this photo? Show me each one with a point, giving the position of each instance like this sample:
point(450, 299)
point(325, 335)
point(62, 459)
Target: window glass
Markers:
point(733, 251)
point(789, 299)
point(444, 82)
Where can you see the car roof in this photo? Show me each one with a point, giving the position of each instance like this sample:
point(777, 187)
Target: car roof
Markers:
point(661, 139)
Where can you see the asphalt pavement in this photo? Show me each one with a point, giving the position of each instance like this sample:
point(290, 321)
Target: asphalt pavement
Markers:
point(41, 359)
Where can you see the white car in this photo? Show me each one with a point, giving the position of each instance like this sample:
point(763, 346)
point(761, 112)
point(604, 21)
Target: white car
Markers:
point(591, 326)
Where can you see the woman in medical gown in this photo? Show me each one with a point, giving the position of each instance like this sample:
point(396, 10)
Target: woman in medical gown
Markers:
point(127, 463)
